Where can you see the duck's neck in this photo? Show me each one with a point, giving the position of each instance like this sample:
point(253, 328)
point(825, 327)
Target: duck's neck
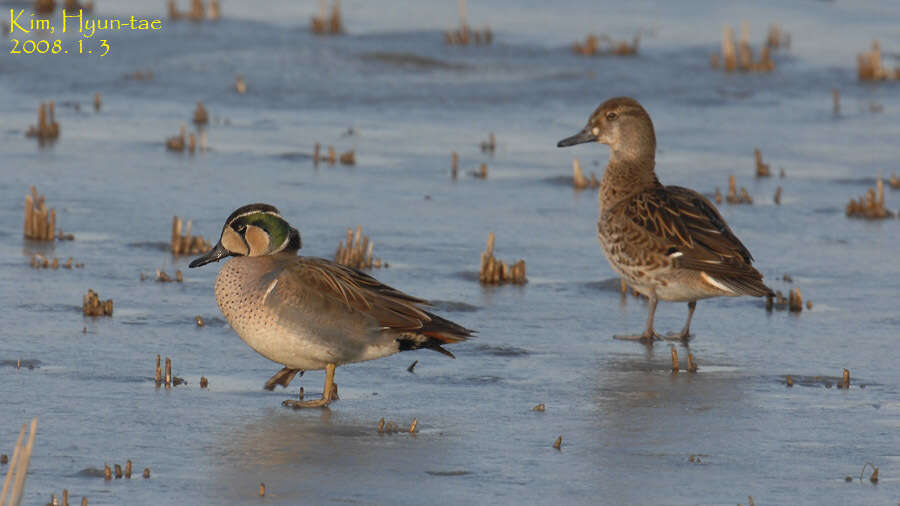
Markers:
point(627, 174)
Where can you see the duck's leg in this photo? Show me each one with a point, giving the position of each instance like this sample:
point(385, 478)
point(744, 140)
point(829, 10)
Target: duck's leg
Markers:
point(282, 377)
point(329, 393)
point(649, 334)
point(685, 333)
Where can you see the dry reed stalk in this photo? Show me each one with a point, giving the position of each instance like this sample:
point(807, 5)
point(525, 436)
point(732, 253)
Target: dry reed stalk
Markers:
point(845, 380)
point(93, 306)
point(201, 117)
point(777, 197)
point(215, 11)
point(745, 52)
point(315, 156)
point(44, 7)
point(558, 443)
point(40, 222)
point(777, 39)
point(835, 102)
point(197, 12)
point(18, 451)
point(177, 142)
point(578, 178)
point(871, 205)
point(740, 56)
point(128, 469)
point(464, 35)
point(413, 425)
point(762, 169)
point(356, 251)
point(604, 45)
point(795, 300)
point(729, 53)
point(173, 10)
point(47, 128)
point(186, 244)
point(894, 182)
point(158, 370)
point(19, 467)
point(239, 85)
point(869, 67)
point(733, 197)
point(348, 158)
point(490, 145)
point(674, 360)
point(494, 271)
point(168, 372)
point(692, 366)
point(589, 47)
point(322, 24)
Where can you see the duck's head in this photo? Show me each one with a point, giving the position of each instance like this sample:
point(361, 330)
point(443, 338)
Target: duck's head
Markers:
point(252, 230)
point(623, 124)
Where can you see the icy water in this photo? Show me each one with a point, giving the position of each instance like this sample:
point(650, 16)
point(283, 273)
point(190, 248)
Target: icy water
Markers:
point(628, 425)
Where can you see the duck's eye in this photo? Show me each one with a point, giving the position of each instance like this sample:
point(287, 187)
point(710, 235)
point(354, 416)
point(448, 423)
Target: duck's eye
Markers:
point(611, 116)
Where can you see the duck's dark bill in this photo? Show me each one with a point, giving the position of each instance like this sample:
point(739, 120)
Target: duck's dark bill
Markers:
point(579, 138)
point(214, 255)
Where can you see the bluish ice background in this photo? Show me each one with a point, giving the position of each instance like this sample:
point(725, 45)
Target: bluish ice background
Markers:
point(628, 425)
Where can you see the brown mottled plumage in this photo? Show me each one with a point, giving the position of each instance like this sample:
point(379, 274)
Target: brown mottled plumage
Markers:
point(668, 242)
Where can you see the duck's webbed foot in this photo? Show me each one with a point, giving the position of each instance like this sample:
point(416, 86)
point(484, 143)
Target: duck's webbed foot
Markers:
point(649, 334)
point(282, 377)
point(646, 337)
point(328, 394)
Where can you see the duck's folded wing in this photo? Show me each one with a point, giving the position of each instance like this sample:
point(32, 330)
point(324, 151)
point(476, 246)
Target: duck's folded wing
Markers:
point(694, 233)
point(358, 292)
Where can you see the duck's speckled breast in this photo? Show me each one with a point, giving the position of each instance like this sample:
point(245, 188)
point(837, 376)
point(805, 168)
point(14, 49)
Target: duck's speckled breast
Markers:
point(242, 286)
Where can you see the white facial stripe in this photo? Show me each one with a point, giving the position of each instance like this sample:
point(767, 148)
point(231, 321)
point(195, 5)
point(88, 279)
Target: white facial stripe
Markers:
point(595, 131)
point(284, 244)
point(254, 212)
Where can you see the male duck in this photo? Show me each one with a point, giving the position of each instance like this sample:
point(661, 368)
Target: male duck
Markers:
point(310, 313)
